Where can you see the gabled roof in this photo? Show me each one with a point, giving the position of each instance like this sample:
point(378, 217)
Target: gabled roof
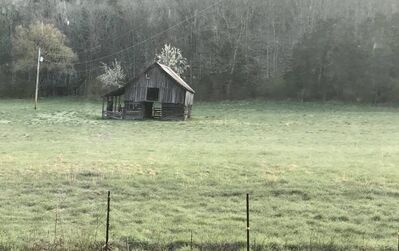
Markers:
point(171, 73)
point(175, 76)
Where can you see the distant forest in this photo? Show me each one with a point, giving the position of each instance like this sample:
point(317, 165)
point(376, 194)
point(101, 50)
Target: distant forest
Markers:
point(237, 49)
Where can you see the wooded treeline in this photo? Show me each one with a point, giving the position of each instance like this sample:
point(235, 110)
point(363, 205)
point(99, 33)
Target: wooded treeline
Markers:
point(299, 49)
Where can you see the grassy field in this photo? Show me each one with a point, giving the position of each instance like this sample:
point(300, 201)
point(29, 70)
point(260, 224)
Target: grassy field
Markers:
point(321, 176)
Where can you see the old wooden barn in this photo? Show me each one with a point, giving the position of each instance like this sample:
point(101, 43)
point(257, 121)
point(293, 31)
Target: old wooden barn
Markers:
point(157, 93)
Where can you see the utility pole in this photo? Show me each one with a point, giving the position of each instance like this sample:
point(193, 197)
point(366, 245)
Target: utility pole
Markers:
point(39, 59)
point(248, 244)
point(37, 77)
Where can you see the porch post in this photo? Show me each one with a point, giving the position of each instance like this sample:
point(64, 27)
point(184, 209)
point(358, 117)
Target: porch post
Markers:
point(102, 113)
point(117, 103)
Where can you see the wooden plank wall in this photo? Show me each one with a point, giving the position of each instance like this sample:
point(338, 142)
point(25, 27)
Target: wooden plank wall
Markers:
point(173, 111)
point(137, 113)
point(169, 91)
point(189, 99)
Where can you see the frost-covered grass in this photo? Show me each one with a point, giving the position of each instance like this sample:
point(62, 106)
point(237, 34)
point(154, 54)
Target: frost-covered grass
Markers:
point(320, 175)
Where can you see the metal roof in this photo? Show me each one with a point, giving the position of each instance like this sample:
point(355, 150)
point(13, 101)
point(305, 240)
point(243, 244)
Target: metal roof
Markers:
point(176, 77)
point(166, 69)
point(118, 92)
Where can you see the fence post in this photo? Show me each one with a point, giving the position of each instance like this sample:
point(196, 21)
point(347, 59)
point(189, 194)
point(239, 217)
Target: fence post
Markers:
point(107, 225)
point(191, 240)
point(248, 222)
point(55, 226)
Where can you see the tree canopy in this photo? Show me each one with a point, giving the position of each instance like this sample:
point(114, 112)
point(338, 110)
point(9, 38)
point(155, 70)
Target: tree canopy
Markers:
point(56, 54)
point(172, 57)
point(113, 76)
point(301, 49)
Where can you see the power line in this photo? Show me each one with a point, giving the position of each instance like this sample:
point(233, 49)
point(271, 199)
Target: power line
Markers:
point(150, 38)
point(135, 29)
point(96, 68)
point(93, 69)
point(127, 33)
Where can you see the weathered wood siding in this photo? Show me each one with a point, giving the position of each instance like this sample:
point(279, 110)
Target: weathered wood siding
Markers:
point(135, 112)
point(169, 90)
point(189, 99)
point(173, 111)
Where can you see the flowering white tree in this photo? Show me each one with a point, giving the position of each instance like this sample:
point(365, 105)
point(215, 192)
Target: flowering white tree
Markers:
point(172, 57)
point(113, 75)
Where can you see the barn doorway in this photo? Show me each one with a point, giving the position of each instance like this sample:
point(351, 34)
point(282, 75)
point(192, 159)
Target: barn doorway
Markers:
point(153, 94)
point(148, 110)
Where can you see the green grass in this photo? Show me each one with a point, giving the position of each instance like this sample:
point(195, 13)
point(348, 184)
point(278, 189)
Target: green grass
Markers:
point(321, 176)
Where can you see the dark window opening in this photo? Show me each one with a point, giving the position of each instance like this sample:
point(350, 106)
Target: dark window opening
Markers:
point(133, 106)
point(110, 105)
point(153, 94)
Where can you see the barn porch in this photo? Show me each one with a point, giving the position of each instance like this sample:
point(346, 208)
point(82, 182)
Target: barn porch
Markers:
point(115, 107)
point(112, 105)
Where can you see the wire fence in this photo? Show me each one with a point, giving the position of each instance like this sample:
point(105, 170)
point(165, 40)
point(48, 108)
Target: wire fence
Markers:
point(96, 229)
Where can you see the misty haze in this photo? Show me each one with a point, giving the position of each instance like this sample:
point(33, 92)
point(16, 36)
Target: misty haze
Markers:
point(199, 125)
